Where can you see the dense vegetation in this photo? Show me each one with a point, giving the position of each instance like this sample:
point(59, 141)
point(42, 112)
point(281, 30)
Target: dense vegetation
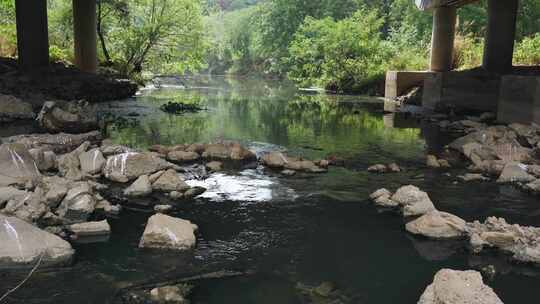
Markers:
point(342, 45)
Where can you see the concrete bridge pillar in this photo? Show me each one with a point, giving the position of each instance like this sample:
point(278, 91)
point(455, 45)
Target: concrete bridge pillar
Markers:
point(500, 37)
point(85, 27)
point(442, 39)
point(32, 33)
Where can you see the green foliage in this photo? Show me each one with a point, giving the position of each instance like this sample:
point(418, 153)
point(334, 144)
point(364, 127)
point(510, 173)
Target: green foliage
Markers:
point(343, 55)
point(528, 51)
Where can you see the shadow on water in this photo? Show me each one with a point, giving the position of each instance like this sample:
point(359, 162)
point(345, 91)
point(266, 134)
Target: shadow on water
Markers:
point(307, 228)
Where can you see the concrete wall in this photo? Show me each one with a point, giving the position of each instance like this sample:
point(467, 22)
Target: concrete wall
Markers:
point(399, 82)
point(519, 99)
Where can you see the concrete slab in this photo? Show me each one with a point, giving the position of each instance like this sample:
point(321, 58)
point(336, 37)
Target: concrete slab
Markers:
point(519, 99)
point(399, 82)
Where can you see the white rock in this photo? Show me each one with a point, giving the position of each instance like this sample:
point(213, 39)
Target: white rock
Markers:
point(88, 229)
point(165, 232)
point(437, 225)
point(413, 201)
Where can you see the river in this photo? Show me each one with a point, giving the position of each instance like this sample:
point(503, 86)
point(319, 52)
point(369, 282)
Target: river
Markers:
point(305, 229)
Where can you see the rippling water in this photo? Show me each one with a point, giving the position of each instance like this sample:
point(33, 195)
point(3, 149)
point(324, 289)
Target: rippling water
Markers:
point(306, 228)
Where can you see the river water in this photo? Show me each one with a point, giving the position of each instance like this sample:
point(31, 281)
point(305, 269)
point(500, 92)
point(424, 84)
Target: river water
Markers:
point(304, 229)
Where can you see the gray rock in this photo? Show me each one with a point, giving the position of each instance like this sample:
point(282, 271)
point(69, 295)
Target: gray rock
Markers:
point(170, 181)
point(533, 187)
point(130, 165)
point(413, 201)
point(17, 167)
point(171, 294)
point(165, 232)
point(382, 198)
point(183, 156)
point(163, 208)
point(78, 204)
point(194, 192)
point(214, 166)
point(69, 164)
point(90, 229)
point(228, 151)
point(23, 245)
point(458, 287)
point(515, 173)
point(12, 108)
point(141, 187)
point(378, 168)
point(72, 117)
point(275, 160)
point(58, 143)
point(92, 162)
point(437, 225)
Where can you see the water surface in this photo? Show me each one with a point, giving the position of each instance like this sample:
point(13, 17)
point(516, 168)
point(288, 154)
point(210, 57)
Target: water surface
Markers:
point(307, 228)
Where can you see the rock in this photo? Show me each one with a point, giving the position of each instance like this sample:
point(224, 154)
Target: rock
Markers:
point(154, 177)
point(413, 201)
point(194, 192)
point(228, 151)
point(325, 289)
point(69, 164)
point(29, 208)
point(432, 162)
point(437, 225)
point(170, 181)
point(163, 208)
point(107, 208)
point(381, 198)
point(515, 173)
point(214, 166)
point(89, 229)
point(171, 294)
point(444, 163)
point(303, 165)
point(379, 168)
point(130, 165)
point(45, 160)
point(57, 143)
point(141, 187)
point(92, 162)
point(458, 287)
point(288, 172)
point(522, 242)
point(56, 194)
point(274, 160)
point(533, 187)
point(470, 177)
point(10, 193)
point(394, 168)
point(12, 108)
point(165, 232)
point(176, 195)
point(183, 156)
point(72, 117)
point(23, 245)
point(78, 204)
point(17, 167)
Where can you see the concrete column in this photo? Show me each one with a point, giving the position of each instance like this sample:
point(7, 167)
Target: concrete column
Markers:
point(501, 33)
point(442, 39)
point(32, 33)
point(85, 34)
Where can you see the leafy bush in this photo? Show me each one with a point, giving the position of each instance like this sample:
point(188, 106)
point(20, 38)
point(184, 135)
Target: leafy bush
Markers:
point(527, 52)
point(343, 56)
point(468, 52)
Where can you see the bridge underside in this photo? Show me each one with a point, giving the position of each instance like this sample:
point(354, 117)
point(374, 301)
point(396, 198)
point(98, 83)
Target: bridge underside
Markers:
point(32, 34)
point(493, 87)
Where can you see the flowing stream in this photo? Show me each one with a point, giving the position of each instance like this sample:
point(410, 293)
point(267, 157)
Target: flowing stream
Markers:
point(304, 229)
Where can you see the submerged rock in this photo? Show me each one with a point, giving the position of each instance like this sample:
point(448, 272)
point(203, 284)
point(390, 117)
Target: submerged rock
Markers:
point(23, 245)
point(413, 201)
point(437, 225)
point(165, 232)
point(458, 287)
point(470, 177)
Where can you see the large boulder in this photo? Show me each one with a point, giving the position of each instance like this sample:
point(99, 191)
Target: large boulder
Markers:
point(12, 108)
point(45, 160)
point(23, 245)
point(57, 143)
point(141, 187)
point(165, 232)
point(413, 201)
point(130, 165)
point(458, 287)
point(515, 173)
point(17, 166)
point(69, 164)
point(72, 117)
point(228, 151)
point(437, 225)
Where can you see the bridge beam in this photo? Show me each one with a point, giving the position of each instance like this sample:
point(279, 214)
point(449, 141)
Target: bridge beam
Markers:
point(500, 36)
point(85, 36)
point(442, 39)
point(32, 33)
